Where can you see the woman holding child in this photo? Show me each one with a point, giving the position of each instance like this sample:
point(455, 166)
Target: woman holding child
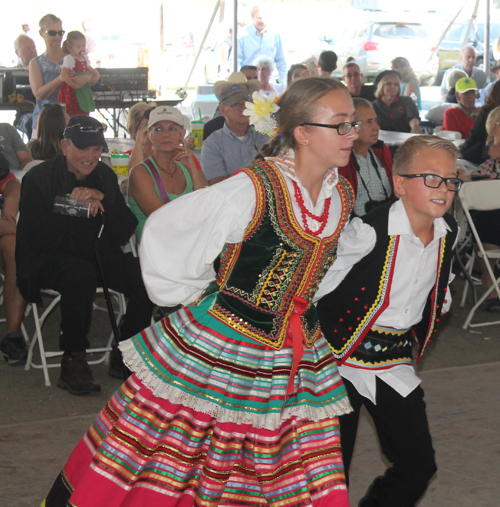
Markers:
point(234, 398)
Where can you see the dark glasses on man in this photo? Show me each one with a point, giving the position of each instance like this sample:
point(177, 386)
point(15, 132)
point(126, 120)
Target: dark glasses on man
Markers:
point(53, 33)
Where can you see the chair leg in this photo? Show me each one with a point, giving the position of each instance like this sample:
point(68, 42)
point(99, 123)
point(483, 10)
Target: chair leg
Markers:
point(477, 305)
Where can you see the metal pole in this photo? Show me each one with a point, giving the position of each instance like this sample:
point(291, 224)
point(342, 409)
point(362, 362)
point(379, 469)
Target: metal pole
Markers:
point(235, 37)
point(487, 64)
point(471, 21)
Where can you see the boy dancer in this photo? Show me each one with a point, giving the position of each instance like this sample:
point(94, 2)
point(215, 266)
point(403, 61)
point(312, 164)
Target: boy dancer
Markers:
point(396, 291)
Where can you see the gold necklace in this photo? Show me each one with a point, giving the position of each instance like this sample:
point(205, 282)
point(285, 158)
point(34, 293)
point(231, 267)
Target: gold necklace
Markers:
point(165, 171)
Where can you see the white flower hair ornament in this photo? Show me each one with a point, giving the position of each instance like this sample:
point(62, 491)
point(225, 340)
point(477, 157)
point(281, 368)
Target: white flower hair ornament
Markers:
point(262, 113)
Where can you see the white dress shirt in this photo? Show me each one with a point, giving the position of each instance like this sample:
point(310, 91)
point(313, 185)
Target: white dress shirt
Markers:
point(414, 276)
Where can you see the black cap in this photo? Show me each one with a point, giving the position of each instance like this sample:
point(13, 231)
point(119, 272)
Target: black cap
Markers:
point(85, 132)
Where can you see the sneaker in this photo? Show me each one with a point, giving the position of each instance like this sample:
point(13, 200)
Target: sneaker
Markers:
point(116, 367)
point(76, 375)
point(14, 349)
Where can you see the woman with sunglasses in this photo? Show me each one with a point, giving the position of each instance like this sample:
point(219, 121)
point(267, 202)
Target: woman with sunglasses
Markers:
point(395, 112)
point(45, 70)
point(234, 398)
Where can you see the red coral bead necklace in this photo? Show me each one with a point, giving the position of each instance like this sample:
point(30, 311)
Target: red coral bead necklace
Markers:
point(323, 219)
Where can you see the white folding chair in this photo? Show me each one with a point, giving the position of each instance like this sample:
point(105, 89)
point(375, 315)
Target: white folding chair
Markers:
point(481, 196)
point(38, 337)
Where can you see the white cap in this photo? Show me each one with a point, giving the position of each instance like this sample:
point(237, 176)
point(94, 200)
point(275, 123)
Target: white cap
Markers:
point(167, 113)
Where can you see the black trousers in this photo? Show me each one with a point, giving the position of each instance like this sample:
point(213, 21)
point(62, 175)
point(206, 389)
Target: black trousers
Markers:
point(403, 432)
point(77, 279)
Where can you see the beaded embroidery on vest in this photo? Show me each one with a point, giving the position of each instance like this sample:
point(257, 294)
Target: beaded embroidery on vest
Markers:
point(275, 261)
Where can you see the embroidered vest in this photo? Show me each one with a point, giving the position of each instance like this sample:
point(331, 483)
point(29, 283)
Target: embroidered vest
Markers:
point(348, 313)
point(259, 277)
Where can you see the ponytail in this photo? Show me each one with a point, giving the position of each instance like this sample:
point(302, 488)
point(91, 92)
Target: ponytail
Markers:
point(270, 148)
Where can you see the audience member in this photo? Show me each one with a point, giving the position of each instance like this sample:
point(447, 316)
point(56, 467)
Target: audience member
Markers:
point(370, 165)
point(468, 65)
point(235, 145)
point(474, 149)
point(327, 63)
point(13, 148)
point(486, 91)
point(265, 69)
point(137, 126)
point(312, 66)
point(462, 118)
point(13, 346)
point(395, 113)
point(169, 172)
point(217, 122)
point(249, 71)
point(436, 113)
point(45, 70)
point(56, 251)
point(410, 84)
point(353, 77)
point(295, 72)
point(258, 40)
point(49, 132)
point(25, 50)
point(487, 223)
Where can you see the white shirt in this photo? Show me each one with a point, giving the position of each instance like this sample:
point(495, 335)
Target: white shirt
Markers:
point(182, 239)
point(414, 276)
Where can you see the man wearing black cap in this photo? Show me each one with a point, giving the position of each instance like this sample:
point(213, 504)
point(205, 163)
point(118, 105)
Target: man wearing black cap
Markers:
point(56, 251)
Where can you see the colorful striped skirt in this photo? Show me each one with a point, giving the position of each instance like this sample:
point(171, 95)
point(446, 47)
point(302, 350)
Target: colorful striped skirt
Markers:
point(205, 420)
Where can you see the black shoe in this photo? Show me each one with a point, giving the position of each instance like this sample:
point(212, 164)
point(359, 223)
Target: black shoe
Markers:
point(14, 349)
point(76, 375)
point(371, 496)
point(116, 367)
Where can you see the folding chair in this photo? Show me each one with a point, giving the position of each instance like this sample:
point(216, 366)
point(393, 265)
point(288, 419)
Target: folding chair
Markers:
point(38, 337)
point(481, 196)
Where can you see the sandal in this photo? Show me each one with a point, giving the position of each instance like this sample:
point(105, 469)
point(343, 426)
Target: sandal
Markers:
point(491, 305)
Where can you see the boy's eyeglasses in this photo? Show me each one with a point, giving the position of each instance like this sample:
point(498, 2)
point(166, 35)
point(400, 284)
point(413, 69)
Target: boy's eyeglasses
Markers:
point(53, 33)
point(88, 128)
point(434, 181)
point(342, 128)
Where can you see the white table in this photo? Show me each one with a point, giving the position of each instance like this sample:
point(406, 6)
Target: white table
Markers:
point(398, 138)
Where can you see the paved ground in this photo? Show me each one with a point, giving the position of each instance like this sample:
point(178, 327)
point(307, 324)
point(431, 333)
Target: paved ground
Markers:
point(40, 425)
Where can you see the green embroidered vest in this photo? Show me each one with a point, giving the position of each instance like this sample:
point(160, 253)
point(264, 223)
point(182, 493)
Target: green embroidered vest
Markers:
point(276, 261)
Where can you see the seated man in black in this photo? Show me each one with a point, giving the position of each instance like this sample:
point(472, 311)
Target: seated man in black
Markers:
point(56, 251)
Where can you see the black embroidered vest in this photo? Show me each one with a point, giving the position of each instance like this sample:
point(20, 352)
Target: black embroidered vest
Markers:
point(348, 313)
point(259, 277)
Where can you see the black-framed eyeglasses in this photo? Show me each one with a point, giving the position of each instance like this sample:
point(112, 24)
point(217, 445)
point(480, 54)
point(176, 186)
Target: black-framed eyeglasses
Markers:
point(341, 128)
point(53, 33)
point(88, 128)
point(434, 181)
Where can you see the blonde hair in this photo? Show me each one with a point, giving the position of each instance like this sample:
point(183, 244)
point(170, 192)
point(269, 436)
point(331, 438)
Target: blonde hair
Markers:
point(136, 116)
point(297, 106)
point(70, 38)
point(47, 19)
point(380, 87)
point(491, 121)
point(412, 147)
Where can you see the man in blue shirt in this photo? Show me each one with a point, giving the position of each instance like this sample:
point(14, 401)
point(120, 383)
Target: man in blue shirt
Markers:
point(467, 64)
point(259, 41)
point(235, 145)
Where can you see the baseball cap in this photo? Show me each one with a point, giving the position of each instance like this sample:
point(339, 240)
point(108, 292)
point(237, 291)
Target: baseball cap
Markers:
point(230, 93)
point(465, 84)
point(85, 132)
point(166, 113)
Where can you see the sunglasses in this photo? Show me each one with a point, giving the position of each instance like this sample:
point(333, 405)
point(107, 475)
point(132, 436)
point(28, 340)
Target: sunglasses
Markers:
point(355, 74)
point(53, 33)
point(86, 128)
point(392, 83)
point(342, 128)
